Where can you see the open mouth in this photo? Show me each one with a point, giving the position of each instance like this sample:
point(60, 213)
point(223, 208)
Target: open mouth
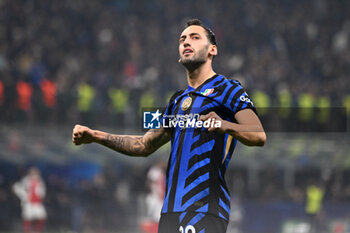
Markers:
point(187, 51)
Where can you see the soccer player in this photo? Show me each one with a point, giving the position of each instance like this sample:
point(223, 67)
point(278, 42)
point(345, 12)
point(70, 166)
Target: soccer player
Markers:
point(31, 191)
point(196, 196)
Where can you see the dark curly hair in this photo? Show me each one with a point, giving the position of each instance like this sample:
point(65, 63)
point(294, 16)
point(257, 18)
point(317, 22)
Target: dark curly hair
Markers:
point(210, 33)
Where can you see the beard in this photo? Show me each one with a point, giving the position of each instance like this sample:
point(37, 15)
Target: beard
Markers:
point(196, 61)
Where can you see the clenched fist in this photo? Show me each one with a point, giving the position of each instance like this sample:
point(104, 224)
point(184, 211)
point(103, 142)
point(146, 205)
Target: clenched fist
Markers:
point(82, 135)
point(215, 119)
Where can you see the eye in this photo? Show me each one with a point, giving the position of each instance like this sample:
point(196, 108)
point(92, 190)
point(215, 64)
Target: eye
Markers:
point(195, 37)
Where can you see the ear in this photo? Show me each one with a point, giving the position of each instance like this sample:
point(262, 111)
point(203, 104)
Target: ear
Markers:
point(213, 50)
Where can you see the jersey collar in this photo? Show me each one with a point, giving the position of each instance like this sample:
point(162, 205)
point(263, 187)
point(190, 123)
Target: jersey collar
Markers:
point(189, 88)
point(208, 84)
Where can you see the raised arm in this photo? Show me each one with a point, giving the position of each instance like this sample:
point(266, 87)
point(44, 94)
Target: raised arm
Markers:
point(248, 129)
point(127, 144)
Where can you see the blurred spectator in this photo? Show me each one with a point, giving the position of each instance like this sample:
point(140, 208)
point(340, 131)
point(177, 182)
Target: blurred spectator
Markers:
point(31, 192)
point(86, 96)
point(236, 215)
point(24, 101)
point(154, 198)
point(119, 104)
point(49, 91)
point(313, 205)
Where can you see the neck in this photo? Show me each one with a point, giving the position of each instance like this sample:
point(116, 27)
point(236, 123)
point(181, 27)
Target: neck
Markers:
point(198, 76)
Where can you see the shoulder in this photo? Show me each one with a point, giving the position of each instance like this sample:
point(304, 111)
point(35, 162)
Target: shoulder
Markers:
point(233, 82)
point(172, 100)
point(228, 85)
point(226, 81)
point(175, 95)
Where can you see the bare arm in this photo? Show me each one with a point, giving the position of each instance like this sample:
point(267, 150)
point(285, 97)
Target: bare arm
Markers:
point(126, 144)
point(248, 130)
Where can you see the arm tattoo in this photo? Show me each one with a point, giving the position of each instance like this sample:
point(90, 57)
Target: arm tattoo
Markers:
point(136, 145)
point(130, 145)
point(113, 142)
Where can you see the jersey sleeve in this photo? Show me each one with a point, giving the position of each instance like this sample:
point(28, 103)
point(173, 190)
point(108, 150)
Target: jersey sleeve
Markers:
point(239, 99)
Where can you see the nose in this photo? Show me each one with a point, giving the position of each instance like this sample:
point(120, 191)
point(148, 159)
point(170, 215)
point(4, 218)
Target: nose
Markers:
point(186, 43)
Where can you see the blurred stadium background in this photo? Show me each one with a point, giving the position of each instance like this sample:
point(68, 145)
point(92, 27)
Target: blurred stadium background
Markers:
point(97, 62)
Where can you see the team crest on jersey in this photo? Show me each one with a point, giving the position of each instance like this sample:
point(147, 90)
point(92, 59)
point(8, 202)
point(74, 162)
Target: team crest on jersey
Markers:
point(186, 104)
point(207, 92)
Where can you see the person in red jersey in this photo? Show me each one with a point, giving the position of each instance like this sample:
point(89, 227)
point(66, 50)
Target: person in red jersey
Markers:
point(31, 192)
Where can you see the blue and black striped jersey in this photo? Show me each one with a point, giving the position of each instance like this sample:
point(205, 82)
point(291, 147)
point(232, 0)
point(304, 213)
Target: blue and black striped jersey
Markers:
point(198, 158)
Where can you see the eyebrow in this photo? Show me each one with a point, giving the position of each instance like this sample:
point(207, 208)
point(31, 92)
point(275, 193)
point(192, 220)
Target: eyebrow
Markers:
point(192, 34)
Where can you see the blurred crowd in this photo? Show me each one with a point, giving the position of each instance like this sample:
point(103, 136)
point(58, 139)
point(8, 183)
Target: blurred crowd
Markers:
point(63, 61)
point(113, 200)
point(100, 201)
